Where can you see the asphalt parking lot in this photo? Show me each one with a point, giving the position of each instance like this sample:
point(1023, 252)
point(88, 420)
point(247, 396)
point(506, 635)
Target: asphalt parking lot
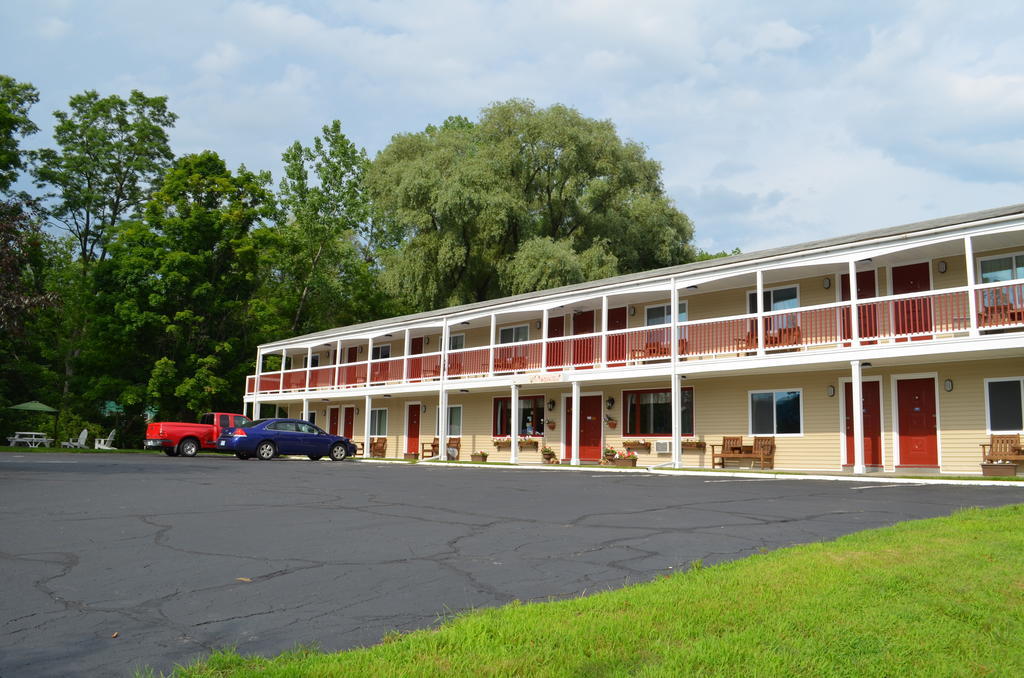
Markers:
point(180, 556)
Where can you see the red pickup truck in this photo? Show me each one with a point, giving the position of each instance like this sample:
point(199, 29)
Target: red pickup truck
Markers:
point(181, 438)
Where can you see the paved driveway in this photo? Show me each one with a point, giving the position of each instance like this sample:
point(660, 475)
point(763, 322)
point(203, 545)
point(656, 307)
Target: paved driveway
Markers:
point(180, 556)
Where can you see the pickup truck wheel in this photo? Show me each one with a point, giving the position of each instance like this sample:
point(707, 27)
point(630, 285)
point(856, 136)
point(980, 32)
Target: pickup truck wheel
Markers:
point(188, 447)
point(266, 451)
point(171, 453)
point(315, 457)
point(338, 452)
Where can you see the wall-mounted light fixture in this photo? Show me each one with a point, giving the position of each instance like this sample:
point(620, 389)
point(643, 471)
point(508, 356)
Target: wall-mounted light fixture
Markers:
point(551, 405)
point(537, 325)
point(865, 364)
point(609, 404)
point(948, 385)
point(463, 390)
point(387, 336)
point(691, 287)
point(357, 411)
point(826, 283)
point(387, 395)
point(360, 349)
point(423, 409)
point(943, 266)
point(632, 310)
point(464, 322)
point(426, 341)
point(830, 391)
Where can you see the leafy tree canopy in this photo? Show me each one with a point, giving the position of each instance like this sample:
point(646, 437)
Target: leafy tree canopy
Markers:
point(454, 204)
point(16, 98)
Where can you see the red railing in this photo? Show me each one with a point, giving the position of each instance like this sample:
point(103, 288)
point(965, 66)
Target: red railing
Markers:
point(322, 377)
point(293, 380)
point(580, 352)
point(387, 370)
point(353, 374)
point(424, 367)
point(517, 357)
point(804, 327)
point(632, 346)
point(270, 382)
point(715, 337)
point(1000, 305)
point(250, 383)
point(470, 361)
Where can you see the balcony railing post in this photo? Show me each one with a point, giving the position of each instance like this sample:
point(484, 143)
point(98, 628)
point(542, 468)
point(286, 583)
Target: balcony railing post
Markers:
point(309, 365)
point(760, 311)
point(854, 311)
point(259, 373)
point(544, 340)
point(604, 330)
point(972, 294)
point(490, 359)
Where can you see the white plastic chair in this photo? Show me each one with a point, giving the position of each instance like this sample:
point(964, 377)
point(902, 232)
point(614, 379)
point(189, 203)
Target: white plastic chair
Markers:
point(105, 443)
point(77, 444)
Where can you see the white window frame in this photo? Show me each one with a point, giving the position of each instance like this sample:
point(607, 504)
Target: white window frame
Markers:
point(513, 329)
point(452, 338)
point(437, 421)
point(683, 308)
point(773, 391)
point(988, 410)
point(378, 349)
point(772, 291)
point(1013, 268)
point(375, 419)
point(314, 360)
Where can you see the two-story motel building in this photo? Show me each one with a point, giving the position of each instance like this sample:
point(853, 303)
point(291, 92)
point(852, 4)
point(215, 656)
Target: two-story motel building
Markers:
point(922, 324)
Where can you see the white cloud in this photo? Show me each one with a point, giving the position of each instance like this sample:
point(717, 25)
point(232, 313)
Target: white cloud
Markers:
point(223, 58)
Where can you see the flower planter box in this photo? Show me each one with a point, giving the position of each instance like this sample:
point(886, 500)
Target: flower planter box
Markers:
point(692, 445)
point(550, 459)
point(998, 469)
point(411, 456)
point(637, 444)
point(625, 463)
point(478, 458)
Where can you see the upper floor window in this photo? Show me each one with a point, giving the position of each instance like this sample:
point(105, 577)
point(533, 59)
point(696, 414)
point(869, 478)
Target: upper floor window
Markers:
point(776, 299)
point(661, 314)
point(456, 341)
point(999, 269)
point(381, 352)
point(512, 335)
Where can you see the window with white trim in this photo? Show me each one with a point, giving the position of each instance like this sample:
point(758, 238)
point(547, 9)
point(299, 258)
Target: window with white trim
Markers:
point(775, 299)
point(456, 341)
point(379, 422)
point(381, 352)
point(660, 314)
point(649, 412)
point(513, 335)
point(454, 420)
point(774, 413)
point(1001, 268)
point(1005, 404)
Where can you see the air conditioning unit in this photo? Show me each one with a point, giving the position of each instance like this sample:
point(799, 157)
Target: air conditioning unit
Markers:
point(663, 447)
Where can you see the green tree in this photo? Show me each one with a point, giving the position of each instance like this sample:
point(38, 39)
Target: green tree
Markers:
point(110, 153)
point(455, 203)
point(16, 98)
point(317, 275)
point(177, 335)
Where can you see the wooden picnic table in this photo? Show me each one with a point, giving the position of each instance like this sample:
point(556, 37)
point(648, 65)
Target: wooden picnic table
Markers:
point(29, 439)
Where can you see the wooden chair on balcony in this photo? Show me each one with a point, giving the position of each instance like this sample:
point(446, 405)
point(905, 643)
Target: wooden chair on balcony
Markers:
point(428, 450)
point(1002, 448)
point(453, 448)
point(378, 447)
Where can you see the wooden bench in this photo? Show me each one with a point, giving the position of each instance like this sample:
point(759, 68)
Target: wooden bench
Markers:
point(732, 447)
point(378, 447)
point(428, 450)
point(1002, 448)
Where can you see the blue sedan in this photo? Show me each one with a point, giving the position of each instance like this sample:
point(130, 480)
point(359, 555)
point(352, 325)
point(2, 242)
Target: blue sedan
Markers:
point(267, 438)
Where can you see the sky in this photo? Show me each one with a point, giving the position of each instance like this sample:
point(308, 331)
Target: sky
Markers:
point(774, 122)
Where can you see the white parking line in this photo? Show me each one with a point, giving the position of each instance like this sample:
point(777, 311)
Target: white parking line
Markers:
point(38, 461)
point(739, 480)
point(883, 487)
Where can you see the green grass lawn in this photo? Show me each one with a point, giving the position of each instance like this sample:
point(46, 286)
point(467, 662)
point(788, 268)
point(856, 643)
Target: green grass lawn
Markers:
point(941, 597)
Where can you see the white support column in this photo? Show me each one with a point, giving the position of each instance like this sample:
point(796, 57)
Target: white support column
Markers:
point(854, 315)
point(369, 354)
point(857, 409)
point(305, 409)
point(760, 312)
point(367, 404)
point(544, 340)
point(972, 294)
point(256, 385)
point(604, 331)
point(514, 419)
point(575, 452)
point(309, 366)
point(674, 336)
point(490, 360)
point(337, 365)
point(442, 395)
point(677, 438)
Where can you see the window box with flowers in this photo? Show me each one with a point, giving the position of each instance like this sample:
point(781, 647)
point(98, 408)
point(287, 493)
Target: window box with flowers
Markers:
point(625, 459)
point(637, 444)
point(479, 456)
point(524, 441)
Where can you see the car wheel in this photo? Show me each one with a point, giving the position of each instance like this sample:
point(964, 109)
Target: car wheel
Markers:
point(338, 452)
point(241, 455)
point(315, 457)
point(266, 451)
point(188, 447)
point(171, 453)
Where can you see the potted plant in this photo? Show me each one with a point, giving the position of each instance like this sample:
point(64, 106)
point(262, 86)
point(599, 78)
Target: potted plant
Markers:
point(999, 467)
point(549, 455)
point(608, 454)
point(479, 456)
point(625, 458)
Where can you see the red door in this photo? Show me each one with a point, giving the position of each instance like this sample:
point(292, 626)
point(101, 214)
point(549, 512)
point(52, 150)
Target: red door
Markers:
point(556, 349)
point(352, 374)
point(332, 426)
point(412, 433)
point(617, 343)
point(912, 315)
point(584, 351)
point(872, 406)
point(350, 422)
point(915, 406)
point(867, 314)
point(416, 364)
point(590, 428)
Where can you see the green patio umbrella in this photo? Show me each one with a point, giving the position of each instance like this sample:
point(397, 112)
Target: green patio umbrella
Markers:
point(36, 406)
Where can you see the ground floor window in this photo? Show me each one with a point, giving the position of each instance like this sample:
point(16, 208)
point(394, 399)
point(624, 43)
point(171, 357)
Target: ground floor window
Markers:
point(379, 422)
point(1005, 404)
point(454, 421)
point(649, 413)
point(776, 413)
point(530, 419)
